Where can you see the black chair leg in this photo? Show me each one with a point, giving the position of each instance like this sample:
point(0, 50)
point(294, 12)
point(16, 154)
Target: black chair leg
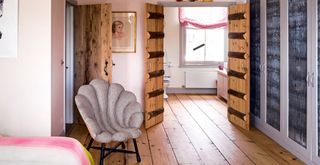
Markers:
point(137, 151)
point(102, 154)
point(90, 144)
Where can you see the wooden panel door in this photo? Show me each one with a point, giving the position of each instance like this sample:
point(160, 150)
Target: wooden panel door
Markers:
point(92, 39)
point(153, 58)
point(92, 44)
point(239, 65)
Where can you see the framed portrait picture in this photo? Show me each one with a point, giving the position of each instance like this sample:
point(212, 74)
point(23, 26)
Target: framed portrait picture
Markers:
point(8, 28)
point(124, 32)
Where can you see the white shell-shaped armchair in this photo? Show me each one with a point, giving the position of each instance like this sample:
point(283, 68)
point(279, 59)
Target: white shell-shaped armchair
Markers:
point(110, 114)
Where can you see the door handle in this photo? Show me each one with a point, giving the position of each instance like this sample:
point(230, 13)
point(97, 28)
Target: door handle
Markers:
point(262, 68)
point(312, 79)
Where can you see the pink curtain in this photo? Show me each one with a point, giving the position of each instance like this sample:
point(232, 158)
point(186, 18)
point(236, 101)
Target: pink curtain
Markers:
point(203, 17)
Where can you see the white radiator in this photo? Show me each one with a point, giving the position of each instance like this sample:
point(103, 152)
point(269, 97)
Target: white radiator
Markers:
point(200, 79)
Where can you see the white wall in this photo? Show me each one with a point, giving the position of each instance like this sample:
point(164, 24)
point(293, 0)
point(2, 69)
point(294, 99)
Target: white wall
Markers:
point(129, 67)
point(25, 96)
point(26, 99)
point(172, 48)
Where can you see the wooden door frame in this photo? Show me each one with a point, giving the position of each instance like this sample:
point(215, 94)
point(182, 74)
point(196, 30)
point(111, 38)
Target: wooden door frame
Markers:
point(69, 65)
point(315, 93)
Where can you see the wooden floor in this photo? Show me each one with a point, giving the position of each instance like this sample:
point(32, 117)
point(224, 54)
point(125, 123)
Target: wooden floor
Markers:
point(196, 131)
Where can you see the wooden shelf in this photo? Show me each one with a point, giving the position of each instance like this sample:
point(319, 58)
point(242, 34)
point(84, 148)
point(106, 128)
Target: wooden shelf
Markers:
point(196, 4)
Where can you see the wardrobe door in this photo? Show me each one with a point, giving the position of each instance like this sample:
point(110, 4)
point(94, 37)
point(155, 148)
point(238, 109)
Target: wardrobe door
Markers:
point(297, 71)
point(255, 58)
point(273, 63)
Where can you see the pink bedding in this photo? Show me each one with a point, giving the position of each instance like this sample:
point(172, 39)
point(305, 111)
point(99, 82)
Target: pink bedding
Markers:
point(43, 150)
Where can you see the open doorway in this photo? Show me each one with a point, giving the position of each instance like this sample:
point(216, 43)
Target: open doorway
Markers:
point(190, 54)
point(194, 134)
point(88, 51)
point(198, 59)
point(69, 66)
point(194, 63)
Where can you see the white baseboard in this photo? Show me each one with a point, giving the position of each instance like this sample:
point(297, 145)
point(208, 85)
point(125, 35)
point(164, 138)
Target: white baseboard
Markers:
point(191, 91)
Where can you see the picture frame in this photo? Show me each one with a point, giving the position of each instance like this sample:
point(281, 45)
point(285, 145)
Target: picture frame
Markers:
point(9, 28)
point(124, 31)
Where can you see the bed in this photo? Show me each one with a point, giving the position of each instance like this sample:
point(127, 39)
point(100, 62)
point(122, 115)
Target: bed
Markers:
point(43, 150)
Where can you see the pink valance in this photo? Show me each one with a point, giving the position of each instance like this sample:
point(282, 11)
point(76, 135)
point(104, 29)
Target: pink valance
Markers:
point(203, 17)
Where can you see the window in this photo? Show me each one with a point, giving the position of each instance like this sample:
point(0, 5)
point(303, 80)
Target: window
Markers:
point(203, 46)
point(203, 36)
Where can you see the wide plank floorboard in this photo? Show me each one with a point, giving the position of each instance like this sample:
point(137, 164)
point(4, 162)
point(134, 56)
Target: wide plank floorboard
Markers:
point(281, 155)
point(224, 145)
point(248, 147)
point(195, 131)
point(160, 147)
point(208, 153)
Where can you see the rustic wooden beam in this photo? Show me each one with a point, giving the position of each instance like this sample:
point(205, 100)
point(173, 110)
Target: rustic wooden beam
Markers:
point(155, 113)
point(237, 74)
point(239, 55)
point(153, 15)
point(155, 35)
point(237, 94)
point(156, 93)
point(156, 73)
point(237, 113)
point(237, 16)
point(155, 54)
point(237, 35)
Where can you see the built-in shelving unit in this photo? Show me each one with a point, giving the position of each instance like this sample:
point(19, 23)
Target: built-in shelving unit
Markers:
point(196, 4)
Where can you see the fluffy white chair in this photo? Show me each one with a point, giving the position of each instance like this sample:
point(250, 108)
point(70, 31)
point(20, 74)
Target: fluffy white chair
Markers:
point(110, 114)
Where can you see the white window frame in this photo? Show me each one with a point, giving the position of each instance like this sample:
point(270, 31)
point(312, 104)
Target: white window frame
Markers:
point(208, 64)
